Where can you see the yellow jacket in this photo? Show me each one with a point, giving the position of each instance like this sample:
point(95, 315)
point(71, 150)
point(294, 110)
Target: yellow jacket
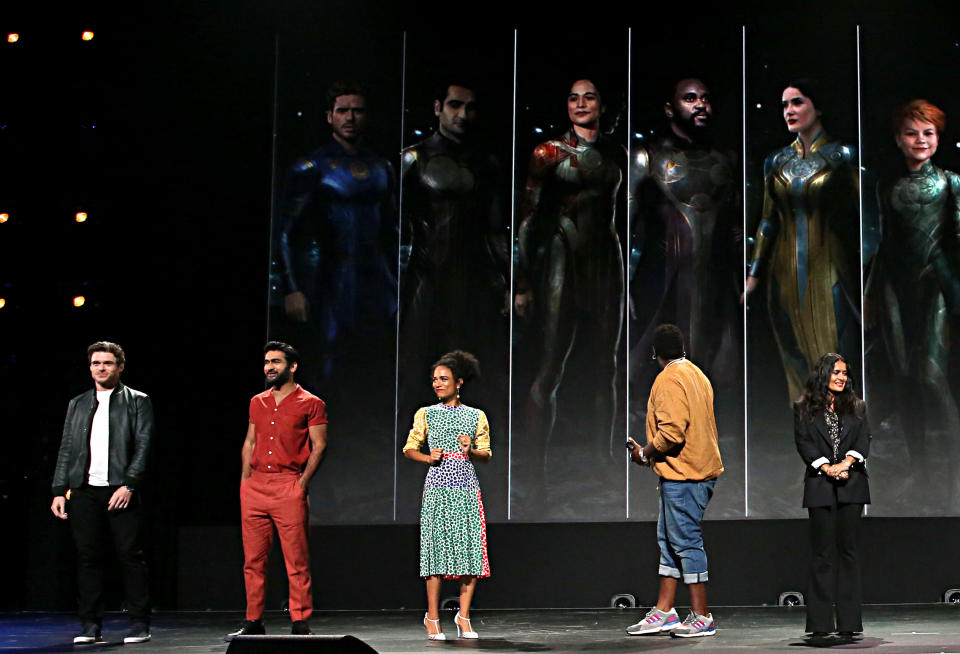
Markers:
point(681, 424)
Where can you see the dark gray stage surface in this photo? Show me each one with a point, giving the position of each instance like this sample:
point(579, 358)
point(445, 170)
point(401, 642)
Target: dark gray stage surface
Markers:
point(912, 629)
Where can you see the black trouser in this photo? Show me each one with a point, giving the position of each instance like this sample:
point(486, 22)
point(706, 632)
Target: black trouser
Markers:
point(92, 524)
point(834, 569)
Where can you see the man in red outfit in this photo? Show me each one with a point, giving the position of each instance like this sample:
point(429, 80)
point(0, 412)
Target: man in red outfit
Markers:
point(284, 445)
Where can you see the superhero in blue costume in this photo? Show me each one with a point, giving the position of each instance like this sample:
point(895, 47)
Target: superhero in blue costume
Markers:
point(335, 239)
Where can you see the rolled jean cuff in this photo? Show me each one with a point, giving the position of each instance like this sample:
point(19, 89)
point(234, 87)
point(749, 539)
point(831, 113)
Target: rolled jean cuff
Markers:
point(667, 571)
point(695, 578)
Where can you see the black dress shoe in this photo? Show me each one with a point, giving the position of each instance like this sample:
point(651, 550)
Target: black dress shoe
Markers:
point(850, 635)
point(301, 628)
point(89, 634)
point(248, 628)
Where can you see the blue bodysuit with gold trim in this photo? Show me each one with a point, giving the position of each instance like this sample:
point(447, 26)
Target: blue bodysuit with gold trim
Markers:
point(808, 249)
point(335, 241)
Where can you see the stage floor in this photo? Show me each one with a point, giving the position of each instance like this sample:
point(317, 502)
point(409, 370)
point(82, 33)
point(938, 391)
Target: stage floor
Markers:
point(913, 629)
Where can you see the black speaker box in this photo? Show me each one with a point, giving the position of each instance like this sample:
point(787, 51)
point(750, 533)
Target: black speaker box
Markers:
point(298, 645)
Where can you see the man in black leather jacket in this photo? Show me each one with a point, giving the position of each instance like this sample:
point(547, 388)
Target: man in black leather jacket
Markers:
point(103, 454)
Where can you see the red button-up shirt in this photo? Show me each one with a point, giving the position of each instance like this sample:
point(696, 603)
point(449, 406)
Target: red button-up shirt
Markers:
point(282, 430)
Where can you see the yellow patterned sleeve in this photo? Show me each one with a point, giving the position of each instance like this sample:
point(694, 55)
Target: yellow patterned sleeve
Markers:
point(418, 434)
point(482, 440)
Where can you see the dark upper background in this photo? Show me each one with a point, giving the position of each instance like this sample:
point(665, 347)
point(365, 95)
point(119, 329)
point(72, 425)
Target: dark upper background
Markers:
point(177, 178)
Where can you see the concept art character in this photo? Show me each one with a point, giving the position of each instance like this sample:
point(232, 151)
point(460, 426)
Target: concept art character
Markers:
point(570, 275)
point(685, 205)
point(459, 255)
point(915, 283)
point(808, 242)
point(336, 238)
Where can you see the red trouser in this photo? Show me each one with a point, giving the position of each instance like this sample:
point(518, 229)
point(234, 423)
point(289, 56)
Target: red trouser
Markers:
point(268, 499)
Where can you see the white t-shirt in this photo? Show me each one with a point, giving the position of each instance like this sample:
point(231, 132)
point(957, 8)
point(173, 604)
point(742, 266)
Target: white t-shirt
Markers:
point(100, 441)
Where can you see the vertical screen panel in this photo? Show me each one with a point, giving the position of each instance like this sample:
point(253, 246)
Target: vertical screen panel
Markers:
point(686, 242)
point(804, 219)
point(569, 349)
point(455, 218)
point(333, 291)
point(911, 248)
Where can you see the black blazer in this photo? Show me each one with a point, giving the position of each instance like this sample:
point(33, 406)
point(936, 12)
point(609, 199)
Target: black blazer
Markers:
point(813, 441)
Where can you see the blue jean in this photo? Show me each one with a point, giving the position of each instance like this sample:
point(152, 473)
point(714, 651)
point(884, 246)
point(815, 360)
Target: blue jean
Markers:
point(679, 536)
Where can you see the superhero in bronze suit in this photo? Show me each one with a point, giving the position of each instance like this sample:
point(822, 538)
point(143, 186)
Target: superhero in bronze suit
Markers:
point(570, 269)
point(915, 286)
point(808, 242)
point(684, 207)
point(454, 286)
point(335, 239)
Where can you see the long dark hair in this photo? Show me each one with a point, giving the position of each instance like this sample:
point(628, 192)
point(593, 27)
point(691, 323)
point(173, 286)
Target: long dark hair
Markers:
point(816, 396)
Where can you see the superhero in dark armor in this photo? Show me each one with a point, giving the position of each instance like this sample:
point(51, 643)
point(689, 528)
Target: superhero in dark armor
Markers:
point(687, 238)
point(914, 288)
point(570, 277)
point(336, 243)
point(453, 291)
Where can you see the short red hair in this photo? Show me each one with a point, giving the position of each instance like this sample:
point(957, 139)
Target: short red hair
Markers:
point(919, 110)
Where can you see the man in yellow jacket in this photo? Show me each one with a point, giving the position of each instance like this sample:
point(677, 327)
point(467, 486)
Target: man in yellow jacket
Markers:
point(682, 449)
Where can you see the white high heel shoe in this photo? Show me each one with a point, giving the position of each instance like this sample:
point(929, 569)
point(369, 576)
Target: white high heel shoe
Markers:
point(436, 624)
point(468, 632)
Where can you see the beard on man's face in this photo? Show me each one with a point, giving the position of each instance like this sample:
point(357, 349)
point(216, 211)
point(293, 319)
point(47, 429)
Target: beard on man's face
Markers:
point(279, 380)
point(694, 128)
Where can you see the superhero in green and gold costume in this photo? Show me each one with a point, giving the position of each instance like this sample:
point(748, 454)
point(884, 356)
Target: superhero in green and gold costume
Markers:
point(915, 282)
point(808, 242)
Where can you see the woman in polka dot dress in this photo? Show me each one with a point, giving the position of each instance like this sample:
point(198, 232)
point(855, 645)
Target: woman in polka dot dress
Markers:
point(453, 531)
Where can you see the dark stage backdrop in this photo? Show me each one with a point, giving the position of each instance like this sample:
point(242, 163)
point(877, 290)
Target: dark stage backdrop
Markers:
point(423, 245)
point(201, 109)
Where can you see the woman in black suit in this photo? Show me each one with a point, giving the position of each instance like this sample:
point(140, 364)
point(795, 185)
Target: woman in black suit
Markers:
point(833, 439)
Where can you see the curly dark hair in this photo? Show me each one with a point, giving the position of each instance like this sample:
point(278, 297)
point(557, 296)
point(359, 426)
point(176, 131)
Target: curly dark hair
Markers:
point(816, 396)
point(668, 342)
point(462, 364)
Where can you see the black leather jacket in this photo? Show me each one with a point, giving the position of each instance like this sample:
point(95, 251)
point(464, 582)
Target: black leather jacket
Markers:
point(131, 428)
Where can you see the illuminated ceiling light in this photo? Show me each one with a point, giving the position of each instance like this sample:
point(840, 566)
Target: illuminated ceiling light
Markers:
point(81, 217)
point(4, 217)
point(3, 302)
point(87, 35)
point(79, 301)
point(13, 37)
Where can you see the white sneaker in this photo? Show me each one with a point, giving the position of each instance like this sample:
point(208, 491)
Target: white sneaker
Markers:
point(696, 625)
point(654, 622)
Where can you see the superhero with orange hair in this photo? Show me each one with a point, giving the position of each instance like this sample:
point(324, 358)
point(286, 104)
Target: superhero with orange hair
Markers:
point(915, 283)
